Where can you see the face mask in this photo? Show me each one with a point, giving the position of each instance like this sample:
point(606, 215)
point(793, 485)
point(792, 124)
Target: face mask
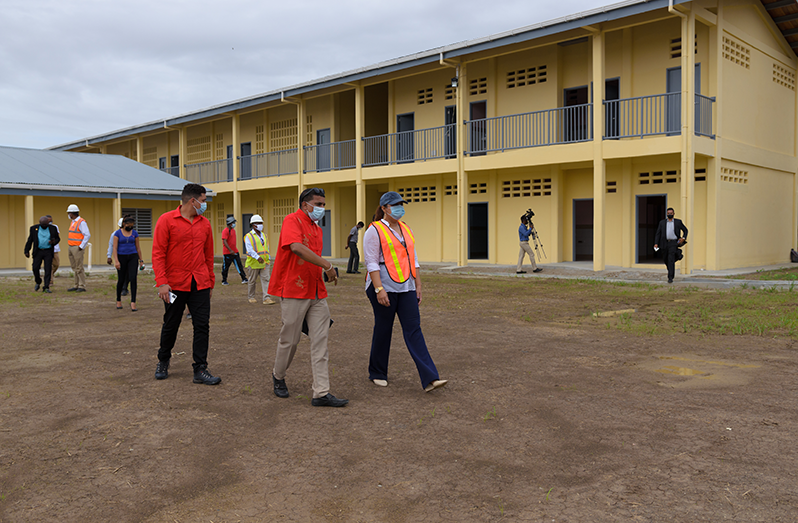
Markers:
point(670, 216)
point(397, 211)
point(232, 226)
point(202, 208)
point(128, 228)
point(259, 227)
point(317, 213)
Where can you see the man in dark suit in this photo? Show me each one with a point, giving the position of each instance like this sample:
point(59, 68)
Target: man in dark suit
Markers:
point(669, 236)
point(43, 238)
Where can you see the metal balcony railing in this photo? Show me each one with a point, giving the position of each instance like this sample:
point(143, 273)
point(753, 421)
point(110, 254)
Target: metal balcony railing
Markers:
point(330, 156)
point(654, 115)
point(703, 115)
point(210, 172)
point(410, 146)
point(275, 163)
point(174, 171)
point(535, 129)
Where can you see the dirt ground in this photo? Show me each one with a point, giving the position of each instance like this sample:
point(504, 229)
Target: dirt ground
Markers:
point(546, 417)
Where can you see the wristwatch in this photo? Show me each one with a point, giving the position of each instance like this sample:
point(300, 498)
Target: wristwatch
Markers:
point(378, 289)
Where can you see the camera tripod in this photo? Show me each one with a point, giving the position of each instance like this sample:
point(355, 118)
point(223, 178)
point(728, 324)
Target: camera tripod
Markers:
point(536, 241)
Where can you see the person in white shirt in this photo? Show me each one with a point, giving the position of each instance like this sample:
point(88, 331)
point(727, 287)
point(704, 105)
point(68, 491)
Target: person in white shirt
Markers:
point(110, 258)
point(77, 239)
point(256, 245)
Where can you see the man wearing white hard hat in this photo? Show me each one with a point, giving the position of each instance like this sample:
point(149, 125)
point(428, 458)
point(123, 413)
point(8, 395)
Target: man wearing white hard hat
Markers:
point(256, 245)
point(77, 239)
point(110, 257)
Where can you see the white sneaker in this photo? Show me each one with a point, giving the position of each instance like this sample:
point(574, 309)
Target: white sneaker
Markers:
point(437, 384)
point(380, 383)
point(269, 301)
point(253, 300)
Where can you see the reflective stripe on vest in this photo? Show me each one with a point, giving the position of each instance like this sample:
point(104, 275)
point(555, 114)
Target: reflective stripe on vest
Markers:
point(399, 260)
point(75, 237)
point(262, 250)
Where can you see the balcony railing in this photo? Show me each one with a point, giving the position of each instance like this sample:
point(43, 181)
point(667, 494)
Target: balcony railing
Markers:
point(210, 172)
point(410, 146)
point(535, 129)
point(330, 156)
point(655, 115)
point(275, 163)
point(174, 171)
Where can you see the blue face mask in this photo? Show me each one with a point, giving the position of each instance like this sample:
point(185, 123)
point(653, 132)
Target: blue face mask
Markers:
point(317, 213)
point(202, 208)
point(397, 211)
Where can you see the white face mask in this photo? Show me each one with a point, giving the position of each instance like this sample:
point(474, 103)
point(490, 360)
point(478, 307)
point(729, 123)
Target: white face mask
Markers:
point(259, 227)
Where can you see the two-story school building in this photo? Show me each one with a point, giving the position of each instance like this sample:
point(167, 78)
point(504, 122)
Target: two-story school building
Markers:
point(597, 122)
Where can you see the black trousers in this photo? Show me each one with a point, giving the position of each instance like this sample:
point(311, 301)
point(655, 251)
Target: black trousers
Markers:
point(45, 255)
point(127, 273)
point(232, 259)
point(199, 305)
point(354, 258)
point(670, 254)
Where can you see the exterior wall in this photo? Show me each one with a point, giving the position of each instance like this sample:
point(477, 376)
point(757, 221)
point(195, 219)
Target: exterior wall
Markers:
point(12, 220)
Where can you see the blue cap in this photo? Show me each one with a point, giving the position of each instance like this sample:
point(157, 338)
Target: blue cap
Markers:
point(391, 198)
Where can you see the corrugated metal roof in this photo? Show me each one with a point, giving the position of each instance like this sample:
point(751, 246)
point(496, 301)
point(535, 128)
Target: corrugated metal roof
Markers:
point(785, 15)
point(39, 169)
point(530, 32)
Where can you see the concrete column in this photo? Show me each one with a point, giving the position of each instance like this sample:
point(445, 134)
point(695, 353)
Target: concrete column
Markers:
point(117, 208)
point(29, 220)
point(360, 187)
point(183, 140)
point(462, 175)
point(629, 216)
point(554, 242)
point(140, 149)
point(599, 165)
point(688, 132)
point(493, 217)
point(300, 143)
point(236, 125)
point(714, 164)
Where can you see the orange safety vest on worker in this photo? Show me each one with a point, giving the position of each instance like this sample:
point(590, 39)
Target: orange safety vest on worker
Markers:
point(400, 260)
point(75, 236)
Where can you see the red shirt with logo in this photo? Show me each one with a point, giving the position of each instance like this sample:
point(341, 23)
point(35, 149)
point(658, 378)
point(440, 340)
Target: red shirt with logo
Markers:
point(229, 235)
point(293, 277)
point(182, 250)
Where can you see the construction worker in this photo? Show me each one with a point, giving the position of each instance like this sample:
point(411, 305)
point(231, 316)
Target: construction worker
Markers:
point(77, 239)
point(256, 245)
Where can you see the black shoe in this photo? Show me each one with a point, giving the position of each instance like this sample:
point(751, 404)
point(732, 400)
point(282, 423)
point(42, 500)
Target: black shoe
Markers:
point(80, 290)
point(225, 283)
point(38, 286)
point(538, 270)
point(203, 376)
point(47, 290)
point(72, 289)
point(162, 370)
point(123, 293)
point(328, 401)
point(280, 389)
point(357, 272)
point(520, 272)
point(670, 281)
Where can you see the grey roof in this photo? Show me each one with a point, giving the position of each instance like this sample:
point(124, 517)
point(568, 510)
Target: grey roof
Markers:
point(558, 25)
point(33, 171)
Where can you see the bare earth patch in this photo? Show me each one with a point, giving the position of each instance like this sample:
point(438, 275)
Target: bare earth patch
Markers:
point(550, 414)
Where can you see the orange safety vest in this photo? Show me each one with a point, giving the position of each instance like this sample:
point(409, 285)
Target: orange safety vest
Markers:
point(75, 236)
point(399, 260)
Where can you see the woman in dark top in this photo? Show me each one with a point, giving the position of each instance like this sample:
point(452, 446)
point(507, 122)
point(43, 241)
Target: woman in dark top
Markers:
point(127, 252)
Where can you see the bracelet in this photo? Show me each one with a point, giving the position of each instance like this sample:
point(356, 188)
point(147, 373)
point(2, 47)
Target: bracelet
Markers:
point(331, 268)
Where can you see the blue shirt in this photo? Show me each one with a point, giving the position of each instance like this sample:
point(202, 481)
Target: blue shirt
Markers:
point(126, 244)
point(44, 237)
point(523, 233)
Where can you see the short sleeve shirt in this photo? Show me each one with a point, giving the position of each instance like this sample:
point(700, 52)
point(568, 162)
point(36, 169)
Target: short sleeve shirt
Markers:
point(353, 234)
point(229, 235)
point(293, 277)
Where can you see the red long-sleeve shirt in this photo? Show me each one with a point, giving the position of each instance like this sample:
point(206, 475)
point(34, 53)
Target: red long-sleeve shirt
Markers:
point(182, 250)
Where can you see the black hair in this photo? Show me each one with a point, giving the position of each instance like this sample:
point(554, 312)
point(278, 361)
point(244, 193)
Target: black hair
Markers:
point(309, 193)
point(192, 190)
point(670, 209)
point(128, 219)
point(360, 224)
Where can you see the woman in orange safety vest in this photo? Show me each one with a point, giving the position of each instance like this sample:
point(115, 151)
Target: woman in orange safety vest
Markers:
point(393, 286)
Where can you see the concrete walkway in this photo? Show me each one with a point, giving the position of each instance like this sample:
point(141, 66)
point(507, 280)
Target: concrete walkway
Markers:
point(563, 270)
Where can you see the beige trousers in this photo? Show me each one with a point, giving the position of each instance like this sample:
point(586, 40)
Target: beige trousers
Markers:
point(526, 249)
point(252, 277)
point(56, 265)
point(318, 317)
point(76, 261)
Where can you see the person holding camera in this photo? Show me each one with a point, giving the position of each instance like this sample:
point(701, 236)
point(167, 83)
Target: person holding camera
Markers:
point(670, 230)
point(525, 230)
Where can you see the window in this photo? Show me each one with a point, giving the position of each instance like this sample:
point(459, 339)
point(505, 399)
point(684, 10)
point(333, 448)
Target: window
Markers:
point(424, 96)
point(143, 219)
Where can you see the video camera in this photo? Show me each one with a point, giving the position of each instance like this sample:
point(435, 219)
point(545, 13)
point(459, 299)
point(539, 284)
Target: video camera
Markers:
point(527, 216)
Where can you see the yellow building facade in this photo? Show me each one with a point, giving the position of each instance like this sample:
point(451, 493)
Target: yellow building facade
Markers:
point(580, 120)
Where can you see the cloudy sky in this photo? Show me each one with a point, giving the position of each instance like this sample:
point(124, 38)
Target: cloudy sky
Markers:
point(71, 69)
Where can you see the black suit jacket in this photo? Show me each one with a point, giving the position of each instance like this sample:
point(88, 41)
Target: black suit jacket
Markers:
point(678, 228)
point(33, 239)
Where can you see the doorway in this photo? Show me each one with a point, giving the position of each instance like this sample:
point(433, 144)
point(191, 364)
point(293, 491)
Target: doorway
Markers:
point(650, 211)
point(612, 92)
point(326, 236)
point(478, 141)
point(478, 231)
point(245, 228)
point(174, 165)
point(673, 100)
point(575, 121)
point(405, 124)
point(450, 131)
point(583, 230)
point(246, 161)
point(323, 150)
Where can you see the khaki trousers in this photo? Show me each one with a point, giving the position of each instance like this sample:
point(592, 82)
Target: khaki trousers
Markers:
point(317, 315)
point(253, 275)
point(526, 249)
point(56, 265)
point(76, 261)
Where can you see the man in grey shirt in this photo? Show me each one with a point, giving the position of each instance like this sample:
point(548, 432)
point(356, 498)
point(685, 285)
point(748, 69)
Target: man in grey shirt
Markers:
point(354, 255)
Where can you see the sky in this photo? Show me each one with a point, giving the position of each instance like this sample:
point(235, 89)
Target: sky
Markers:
point(74, 69)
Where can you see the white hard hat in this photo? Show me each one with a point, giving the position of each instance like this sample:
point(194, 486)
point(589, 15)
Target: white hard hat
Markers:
point(120, 222)
point(255, 219)
point(73, 208)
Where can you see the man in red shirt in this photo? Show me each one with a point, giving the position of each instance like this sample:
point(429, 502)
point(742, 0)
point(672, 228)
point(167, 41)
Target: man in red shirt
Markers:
point(182, 259)
point(230, 251)
point(297, 279)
